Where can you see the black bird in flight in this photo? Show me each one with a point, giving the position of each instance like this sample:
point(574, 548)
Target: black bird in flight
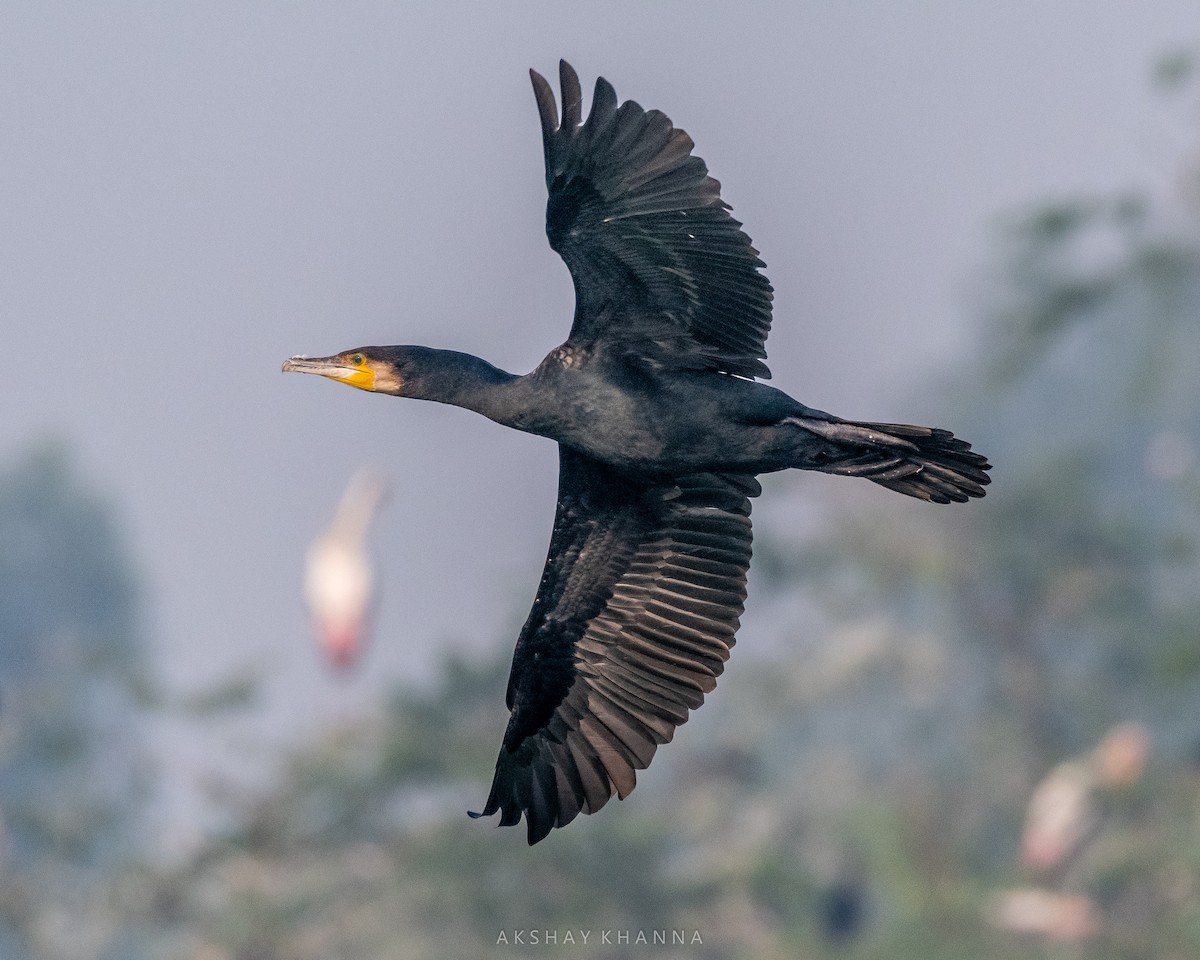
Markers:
point(661, 428)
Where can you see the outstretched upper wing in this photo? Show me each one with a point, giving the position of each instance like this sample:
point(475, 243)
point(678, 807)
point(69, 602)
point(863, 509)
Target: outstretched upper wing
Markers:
point(652, 249)
point(634, 618)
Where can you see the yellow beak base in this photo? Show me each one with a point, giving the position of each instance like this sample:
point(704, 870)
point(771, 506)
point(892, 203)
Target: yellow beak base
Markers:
point(360, 376)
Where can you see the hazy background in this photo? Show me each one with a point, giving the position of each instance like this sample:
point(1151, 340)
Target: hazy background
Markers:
point(191, 193)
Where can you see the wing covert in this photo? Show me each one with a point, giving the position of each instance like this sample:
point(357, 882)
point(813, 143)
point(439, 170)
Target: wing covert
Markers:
point(653, 251)
point(634, 619)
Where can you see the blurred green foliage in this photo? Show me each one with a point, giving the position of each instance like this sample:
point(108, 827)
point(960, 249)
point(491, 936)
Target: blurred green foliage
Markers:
point(70, 732)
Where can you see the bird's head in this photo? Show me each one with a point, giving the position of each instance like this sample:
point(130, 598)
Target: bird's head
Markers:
point(367, 368)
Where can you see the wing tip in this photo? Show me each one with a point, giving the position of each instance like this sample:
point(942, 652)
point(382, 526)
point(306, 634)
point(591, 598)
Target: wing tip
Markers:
point(572, 95)
point(539, 820)
point(543, 93)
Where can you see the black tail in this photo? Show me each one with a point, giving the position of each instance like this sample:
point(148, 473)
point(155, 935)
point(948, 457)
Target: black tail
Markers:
point(922, 462)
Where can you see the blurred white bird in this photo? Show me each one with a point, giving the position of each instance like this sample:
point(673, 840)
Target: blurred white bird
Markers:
point(1064, 828)
point(339, 582)
point(1063, 813)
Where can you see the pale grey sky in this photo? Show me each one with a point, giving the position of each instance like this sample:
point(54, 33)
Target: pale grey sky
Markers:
point(191, 193)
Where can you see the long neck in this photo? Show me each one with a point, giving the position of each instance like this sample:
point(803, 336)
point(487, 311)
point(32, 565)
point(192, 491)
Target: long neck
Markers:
point(359, 505)
point(463, 380)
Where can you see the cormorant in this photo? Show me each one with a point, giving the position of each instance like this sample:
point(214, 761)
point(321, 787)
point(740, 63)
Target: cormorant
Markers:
point(661, 427)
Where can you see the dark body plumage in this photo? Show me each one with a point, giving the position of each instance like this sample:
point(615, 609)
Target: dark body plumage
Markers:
point(661, 432)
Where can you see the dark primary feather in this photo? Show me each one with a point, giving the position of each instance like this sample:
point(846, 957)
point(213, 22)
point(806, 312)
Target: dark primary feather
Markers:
point(633, 622)
point(657, 261)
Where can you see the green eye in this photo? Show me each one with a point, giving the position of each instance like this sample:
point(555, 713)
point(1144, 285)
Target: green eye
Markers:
point(357, 359)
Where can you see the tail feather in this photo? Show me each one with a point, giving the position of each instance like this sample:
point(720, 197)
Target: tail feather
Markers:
point(923, 462)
